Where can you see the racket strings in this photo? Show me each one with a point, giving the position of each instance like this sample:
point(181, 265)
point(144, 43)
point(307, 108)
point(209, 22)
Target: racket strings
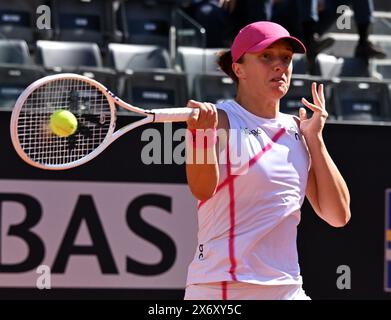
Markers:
point(86, 102)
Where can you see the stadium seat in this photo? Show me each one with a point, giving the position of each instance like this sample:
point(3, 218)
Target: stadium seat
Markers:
point(13, 80)
point(381, 69)
point(14, 51)
point(155, 90)
point(361, 99)
point(106, 76)
point(138, 57)
point(344, 45)
point(85, 20)
point(146, 22)
point(53, 54)
point(77, 57)
point(354, 67)
point(18, 20)
point(331, 66)
point(213, 87)
point(196, 61)
point(300, 64)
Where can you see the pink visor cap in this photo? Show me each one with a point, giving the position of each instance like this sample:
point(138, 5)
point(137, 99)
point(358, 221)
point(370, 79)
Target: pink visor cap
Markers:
point(259, 35)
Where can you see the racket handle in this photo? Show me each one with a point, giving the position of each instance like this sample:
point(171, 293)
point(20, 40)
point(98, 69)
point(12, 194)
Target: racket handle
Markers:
point(174, 114)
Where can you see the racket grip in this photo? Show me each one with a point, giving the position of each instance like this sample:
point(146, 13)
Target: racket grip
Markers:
point(174, 114)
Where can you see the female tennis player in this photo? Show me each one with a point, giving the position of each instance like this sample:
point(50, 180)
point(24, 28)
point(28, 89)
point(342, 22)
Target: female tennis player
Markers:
point(248, 218)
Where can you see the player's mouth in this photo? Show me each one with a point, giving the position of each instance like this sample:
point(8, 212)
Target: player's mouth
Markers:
point(279, 80)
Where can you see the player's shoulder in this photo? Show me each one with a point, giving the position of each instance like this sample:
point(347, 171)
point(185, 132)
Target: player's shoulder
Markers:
point(223, 108)
point(223, 122)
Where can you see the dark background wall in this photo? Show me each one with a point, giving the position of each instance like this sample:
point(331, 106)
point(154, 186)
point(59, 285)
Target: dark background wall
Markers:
point(362, 154)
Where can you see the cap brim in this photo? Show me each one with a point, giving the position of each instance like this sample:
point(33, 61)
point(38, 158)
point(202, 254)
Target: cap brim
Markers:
point(297, 45)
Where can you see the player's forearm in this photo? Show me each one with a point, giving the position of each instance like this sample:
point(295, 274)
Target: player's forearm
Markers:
point(202, 172)
point(332, 192)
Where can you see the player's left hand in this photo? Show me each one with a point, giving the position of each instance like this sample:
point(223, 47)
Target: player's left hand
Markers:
point(313, 126)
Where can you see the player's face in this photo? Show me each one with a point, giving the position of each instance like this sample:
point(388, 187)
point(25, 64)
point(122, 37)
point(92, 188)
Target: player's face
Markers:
point(269, 71)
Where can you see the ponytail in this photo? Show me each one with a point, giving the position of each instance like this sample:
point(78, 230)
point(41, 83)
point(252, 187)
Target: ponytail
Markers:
point(224, 60)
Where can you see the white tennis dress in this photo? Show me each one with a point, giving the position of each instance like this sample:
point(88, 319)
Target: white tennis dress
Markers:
point(247, 230)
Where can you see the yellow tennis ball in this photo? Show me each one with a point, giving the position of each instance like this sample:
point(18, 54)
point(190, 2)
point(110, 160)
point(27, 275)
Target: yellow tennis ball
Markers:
point(63, 123)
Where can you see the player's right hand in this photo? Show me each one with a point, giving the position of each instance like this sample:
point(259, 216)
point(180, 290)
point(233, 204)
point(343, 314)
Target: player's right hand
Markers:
point(207, 117)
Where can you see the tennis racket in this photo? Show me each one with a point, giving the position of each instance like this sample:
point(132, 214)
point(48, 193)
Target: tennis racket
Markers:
point(95, 109)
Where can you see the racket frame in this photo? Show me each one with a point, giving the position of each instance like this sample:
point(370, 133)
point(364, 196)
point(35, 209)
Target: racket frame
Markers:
point(110, 136)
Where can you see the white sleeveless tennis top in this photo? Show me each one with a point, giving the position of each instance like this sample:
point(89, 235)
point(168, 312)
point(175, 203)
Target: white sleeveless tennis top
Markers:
point(247, 230)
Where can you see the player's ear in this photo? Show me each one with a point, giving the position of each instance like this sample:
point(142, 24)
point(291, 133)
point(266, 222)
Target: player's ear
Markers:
point(238, 69)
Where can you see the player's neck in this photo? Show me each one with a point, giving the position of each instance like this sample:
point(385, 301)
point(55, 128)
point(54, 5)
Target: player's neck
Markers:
point(259, 106)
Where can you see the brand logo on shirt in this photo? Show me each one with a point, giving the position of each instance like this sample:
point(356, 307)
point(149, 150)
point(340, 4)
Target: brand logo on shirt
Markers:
point(258, 131)
point(255, 132)
point(293, 130)
point(201, 252)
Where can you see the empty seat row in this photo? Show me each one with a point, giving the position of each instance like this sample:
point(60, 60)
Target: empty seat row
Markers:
point(347, 99)
point(361, 99)
point(59, 54)
point(192, 60)
point(142, 88)
point(345, 43)
point(99, 21)
point(329, 66)
point(145, 74)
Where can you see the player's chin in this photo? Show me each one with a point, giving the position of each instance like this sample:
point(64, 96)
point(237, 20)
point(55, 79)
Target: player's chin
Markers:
point(280, 90)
